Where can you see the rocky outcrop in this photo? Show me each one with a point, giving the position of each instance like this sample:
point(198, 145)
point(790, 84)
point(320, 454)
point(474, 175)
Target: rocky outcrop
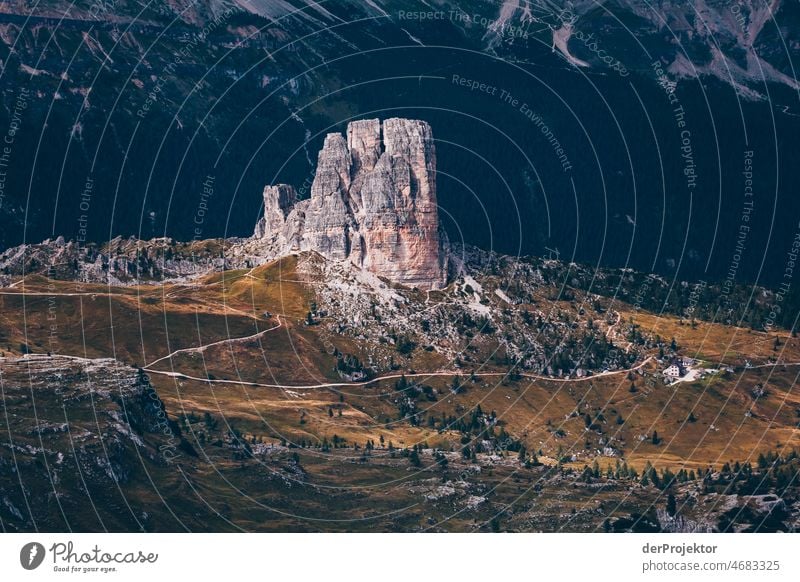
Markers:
point(129, 261)
point(279, 200)
point(373, 203)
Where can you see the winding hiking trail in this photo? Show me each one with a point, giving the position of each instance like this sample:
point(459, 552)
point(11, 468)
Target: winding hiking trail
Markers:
point(280, 324)
point(181, 375)
point(203, 348)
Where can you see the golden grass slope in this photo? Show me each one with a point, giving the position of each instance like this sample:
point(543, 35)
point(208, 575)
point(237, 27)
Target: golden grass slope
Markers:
point(709, 421)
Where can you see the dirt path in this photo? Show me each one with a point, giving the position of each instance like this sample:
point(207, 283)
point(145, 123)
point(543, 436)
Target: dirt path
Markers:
point(216, 343)
point(391, 377)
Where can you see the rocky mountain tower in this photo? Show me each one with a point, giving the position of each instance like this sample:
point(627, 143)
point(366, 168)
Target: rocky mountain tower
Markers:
point(373, 203)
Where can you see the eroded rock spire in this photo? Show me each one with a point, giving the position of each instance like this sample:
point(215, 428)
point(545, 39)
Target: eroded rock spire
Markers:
point(373, 203)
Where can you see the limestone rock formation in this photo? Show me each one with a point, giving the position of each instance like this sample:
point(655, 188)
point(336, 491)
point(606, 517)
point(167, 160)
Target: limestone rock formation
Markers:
point(279, 200)
point(373, 203)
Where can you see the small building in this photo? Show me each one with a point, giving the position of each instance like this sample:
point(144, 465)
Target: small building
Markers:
point(676, 369)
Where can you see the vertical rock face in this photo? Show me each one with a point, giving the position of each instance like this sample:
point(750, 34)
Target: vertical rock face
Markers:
point(327, 219)
point(373, 202)
point(278, 201)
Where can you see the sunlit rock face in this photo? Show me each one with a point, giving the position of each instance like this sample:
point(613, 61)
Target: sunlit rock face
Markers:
point(373, 203)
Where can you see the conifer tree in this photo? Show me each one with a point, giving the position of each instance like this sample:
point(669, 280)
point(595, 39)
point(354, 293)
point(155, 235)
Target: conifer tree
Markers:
point(672, 506)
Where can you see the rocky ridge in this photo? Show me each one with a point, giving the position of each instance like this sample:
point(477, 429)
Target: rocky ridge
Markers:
point(373, 203)
point(122, 261)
